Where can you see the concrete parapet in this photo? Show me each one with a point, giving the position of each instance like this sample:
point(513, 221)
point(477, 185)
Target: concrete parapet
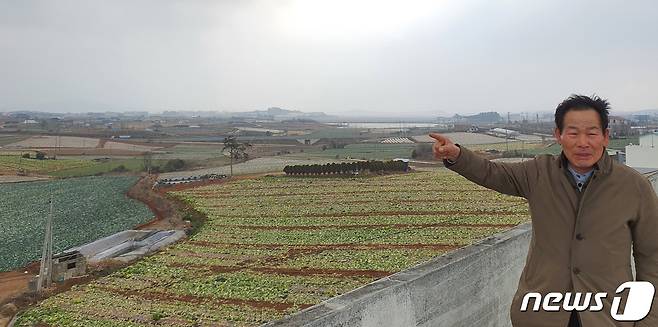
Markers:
point(471, 286)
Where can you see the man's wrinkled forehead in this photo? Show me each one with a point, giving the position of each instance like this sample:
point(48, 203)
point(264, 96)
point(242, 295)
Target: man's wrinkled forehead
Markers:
point(590, 122)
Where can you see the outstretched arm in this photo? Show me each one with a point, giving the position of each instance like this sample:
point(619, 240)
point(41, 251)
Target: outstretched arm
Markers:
point(509, 178)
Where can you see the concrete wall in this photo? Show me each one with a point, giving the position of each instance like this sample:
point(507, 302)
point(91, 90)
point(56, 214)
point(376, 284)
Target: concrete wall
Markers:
point(472, 286)
point(642, 156)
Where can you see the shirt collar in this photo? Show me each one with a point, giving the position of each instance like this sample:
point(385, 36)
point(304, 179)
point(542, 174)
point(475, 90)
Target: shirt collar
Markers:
point(580, 178)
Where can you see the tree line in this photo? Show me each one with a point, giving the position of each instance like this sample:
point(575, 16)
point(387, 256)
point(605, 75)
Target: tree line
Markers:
point(347, 167)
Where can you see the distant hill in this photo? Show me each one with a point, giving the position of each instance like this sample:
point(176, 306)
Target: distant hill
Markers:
point(481, 118)
point(280, 114)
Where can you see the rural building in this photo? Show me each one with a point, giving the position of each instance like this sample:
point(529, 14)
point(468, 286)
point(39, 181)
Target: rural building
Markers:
point(397, 140)
point(645, 154)
point(68, 265)
point(502, 132)
point(253, 131)
point(308, 141)
point(619, 126)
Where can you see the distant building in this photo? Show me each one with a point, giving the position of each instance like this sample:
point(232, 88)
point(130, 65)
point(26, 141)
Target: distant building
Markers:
point(473, 129)
point(253, 131)
point(645, 154)
point(642, 119)
point(504, 132)
point(397, 140)
point(619, 126)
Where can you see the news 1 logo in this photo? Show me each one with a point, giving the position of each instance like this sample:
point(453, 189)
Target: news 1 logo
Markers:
point(638, 303)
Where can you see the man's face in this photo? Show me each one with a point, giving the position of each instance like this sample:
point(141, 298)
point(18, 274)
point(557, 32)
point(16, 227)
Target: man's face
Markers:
point(582, 139)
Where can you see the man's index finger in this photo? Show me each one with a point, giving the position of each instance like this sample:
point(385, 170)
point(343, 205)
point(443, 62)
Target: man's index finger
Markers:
point(442, 139)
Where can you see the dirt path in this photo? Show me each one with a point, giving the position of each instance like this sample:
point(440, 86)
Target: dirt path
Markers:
point(168, 213)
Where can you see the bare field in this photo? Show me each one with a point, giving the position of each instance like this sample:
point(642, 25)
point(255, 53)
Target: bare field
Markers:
point(124, 146)
point(463, 138)
point(56, 141)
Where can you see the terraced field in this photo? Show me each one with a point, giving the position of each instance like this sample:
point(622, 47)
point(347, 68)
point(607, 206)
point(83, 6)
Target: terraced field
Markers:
point(275, 245)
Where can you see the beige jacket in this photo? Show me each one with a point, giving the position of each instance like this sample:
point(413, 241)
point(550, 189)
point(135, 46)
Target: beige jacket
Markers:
point(581, 242)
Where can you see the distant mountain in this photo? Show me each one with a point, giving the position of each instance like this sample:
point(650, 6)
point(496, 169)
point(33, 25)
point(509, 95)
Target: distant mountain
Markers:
point(279, 114)
point(481, 118)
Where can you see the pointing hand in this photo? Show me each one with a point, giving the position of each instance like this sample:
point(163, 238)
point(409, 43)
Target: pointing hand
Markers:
point(444, 148)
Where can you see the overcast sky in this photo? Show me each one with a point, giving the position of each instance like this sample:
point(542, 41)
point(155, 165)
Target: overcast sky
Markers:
point(336, 56)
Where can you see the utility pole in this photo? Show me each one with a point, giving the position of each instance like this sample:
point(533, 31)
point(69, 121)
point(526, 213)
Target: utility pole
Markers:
point(46, 268)
point(507, 139)
point(537, 122)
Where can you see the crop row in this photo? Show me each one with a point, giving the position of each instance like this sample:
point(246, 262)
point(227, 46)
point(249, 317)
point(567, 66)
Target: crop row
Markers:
point(383, 235)
point(284, 222)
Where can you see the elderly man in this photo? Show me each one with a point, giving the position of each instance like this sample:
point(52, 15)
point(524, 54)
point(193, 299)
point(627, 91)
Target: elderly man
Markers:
point(587, 211)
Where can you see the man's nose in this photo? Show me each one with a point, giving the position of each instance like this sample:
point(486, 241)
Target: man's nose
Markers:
point(581, 141)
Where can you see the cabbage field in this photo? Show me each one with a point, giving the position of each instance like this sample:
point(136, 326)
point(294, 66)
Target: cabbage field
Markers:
point(274, 245)
point(11, 163)
point(85, 209)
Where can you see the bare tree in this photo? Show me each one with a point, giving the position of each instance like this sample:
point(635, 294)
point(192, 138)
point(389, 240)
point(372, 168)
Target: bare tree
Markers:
point(148, 161)
point(236, 149)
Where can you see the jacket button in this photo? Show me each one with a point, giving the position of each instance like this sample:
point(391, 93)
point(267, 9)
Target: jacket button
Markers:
point(576, 270)
point(579, 237)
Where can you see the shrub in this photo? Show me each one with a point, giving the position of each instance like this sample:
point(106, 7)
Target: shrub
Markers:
point(120, 169)
point(174, 164)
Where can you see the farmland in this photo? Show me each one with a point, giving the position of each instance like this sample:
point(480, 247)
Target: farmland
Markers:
point(274, 245)
point(85, 210)
point(56, 141)
point(370, 151)
point(10, 164)
point(511, 145)
point(253, 166)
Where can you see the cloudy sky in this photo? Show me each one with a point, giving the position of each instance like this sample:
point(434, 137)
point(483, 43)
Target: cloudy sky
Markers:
point(336, 56)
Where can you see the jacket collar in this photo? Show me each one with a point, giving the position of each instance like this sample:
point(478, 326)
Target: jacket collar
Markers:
point(603, 166)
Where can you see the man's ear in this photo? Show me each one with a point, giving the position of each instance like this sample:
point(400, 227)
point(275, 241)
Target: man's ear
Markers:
point(557, 135)
point(606, 137)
